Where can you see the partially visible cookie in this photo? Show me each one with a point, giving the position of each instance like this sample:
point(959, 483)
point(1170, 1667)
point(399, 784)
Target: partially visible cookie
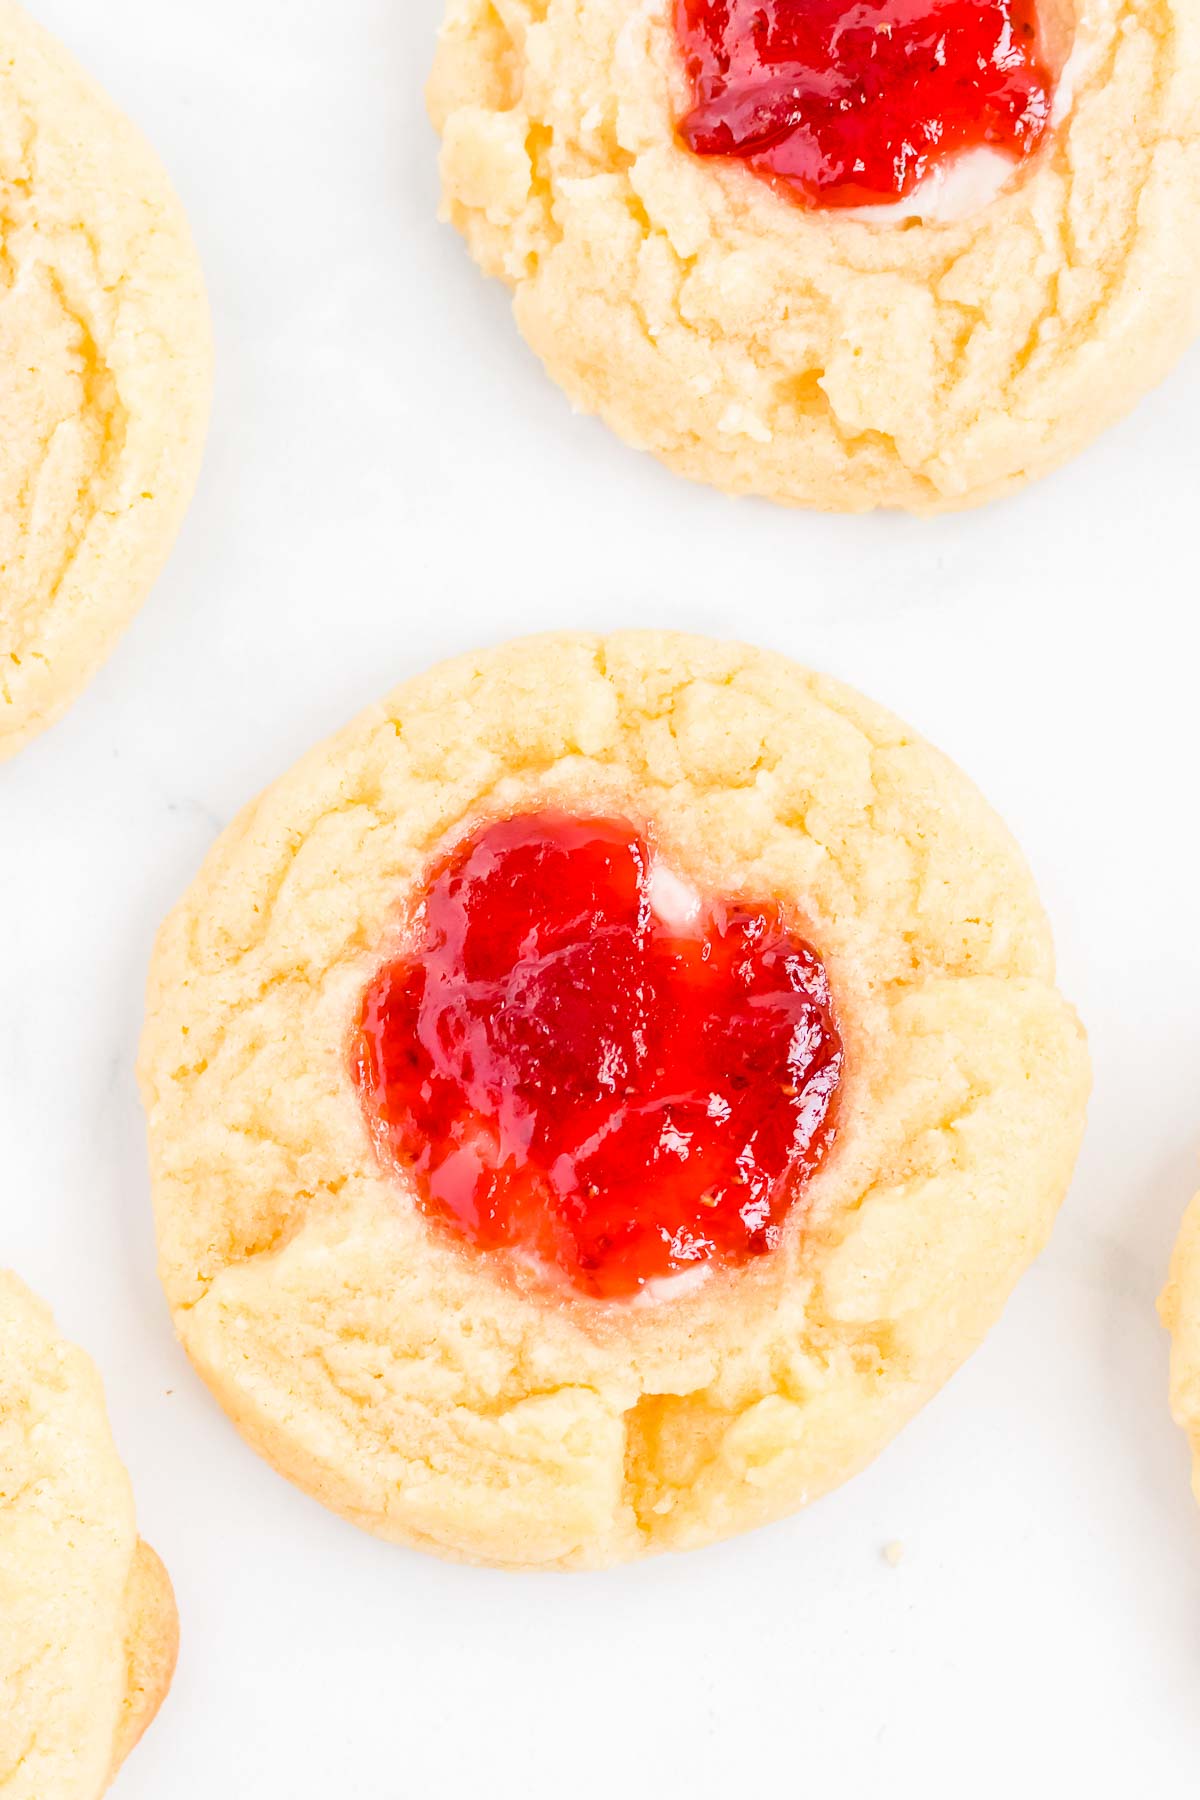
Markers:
point(106, 349)
point(922, 355)
point(88, 1627)
point(1179, 1308)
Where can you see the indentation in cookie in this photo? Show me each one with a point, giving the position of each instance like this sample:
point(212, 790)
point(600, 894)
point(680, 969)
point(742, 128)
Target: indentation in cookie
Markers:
point(579, 1058)
point(852, 104)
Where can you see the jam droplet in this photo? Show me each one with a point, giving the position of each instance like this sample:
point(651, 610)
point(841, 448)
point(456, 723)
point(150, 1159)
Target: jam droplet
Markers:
point(564, 1073)
point(853, 102)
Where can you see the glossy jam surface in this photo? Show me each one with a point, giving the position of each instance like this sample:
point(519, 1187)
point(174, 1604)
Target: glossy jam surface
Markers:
point(567, 1072)
point(853, 102)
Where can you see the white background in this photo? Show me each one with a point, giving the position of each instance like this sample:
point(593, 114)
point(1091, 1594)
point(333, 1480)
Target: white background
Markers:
point(392, 479)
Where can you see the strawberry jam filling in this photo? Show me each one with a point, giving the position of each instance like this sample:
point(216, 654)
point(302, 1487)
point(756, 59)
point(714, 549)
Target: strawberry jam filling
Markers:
point(853, 102)
point(577, 1060)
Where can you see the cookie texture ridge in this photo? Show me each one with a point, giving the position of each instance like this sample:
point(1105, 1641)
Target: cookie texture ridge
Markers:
point(88, 1628)
point(815, 358)
point(1179, 1308)
point(398, 1376)
point(106, 346)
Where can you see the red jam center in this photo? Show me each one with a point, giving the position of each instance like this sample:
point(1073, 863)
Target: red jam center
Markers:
point(853, 102)
point(567, 1074)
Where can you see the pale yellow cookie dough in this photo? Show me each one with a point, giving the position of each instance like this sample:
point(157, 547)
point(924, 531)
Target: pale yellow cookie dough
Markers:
point(1180, 1310)
point(88, 1628)
point(807, 356)
point(106, 352)
point(406, 1381)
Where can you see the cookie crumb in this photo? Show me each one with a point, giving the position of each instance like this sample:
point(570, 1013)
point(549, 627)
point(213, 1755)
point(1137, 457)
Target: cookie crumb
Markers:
point(893, 1553)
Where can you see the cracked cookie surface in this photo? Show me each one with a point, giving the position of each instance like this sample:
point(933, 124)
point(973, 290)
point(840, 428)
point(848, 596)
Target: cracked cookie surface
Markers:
point(88, 1628)
point(1180, 1311)
point(105, 340)
point(817, 359)
point(398, 1376)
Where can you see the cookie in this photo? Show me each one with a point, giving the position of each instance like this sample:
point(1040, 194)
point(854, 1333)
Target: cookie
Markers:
point(105, 340)
point(596, 1099)
point(1179, 1308)
point(679, 273)
point(88, 1628)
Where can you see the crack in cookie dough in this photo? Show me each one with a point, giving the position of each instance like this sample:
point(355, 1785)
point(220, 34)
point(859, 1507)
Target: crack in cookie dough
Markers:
point(105, 338)
point(808, 356)
point(1180, 1311)
point(400, 1378)
point(88, 1629)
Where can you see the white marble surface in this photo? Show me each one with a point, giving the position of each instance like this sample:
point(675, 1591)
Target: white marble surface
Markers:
point(391, 479)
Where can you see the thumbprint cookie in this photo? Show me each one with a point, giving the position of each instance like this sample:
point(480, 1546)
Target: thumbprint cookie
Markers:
point(909, 253)
point(596, 1099)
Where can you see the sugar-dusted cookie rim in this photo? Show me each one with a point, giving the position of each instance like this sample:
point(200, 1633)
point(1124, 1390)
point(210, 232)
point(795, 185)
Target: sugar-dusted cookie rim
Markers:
point(396, 1376)
point(807, 356)
point(151, 1650)
point(110, 348)
point(90, 1616)
point(1179, 1308)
